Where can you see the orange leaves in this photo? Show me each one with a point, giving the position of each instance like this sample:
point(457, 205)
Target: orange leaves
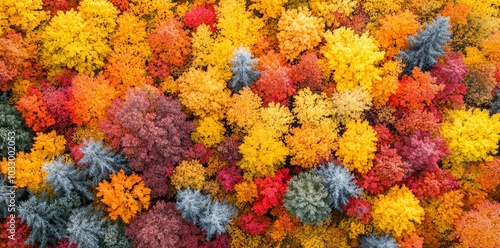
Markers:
point(88, 99)
point(171, 46)
point(124, 196)
point(393, 31)
point(416, 91)
point(34, 111)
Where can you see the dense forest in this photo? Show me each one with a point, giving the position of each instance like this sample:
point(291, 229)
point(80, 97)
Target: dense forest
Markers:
point(257, 123)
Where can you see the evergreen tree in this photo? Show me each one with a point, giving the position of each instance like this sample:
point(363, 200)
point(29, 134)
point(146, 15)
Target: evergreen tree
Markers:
point(11, 121)
point(243, 71)
point(85, 228)
point(66, 178)
point(426, 46)
point(47, 218)
point(101, 161)
point(339, 182)
point(307, 199)
point(372, 241)
point(114, 236)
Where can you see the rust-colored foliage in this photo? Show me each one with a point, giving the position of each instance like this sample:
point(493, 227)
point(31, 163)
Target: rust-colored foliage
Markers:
point(171, 47)
point(35, 111)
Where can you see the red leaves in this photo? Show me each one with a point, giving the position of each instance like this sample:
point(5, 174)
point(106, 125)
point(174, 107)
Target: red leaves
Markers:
point(271, 191)
point(163, 226)
point(254, 224)
point(450, 72)
point(274, 83)
point(422, 151)
point(431, 183)
point(35, 112)
point(229, 176)
point(152, 132)
point(201, 15)
point(416, 91)
point(360, 208)
point(307, 73)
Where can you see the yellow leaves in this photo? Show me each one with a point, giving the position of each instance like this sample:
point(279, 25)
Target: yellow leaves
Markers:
point(243, 110)
point(24, 15)
point(353, 59)
point(152, 11)
point(79, 40)
point(299, 31)
point(236, 24)
point(124, 196)
point(29, 171)
point(313, 109)
point(130, 37)
point(397, 212)
point(277, 118)
point(189, 174)
point(209, 131)
point(262, 153)
point(357, 146)
point(471, 135)
point(383, 89)
point(269, 8)
point(327, 9)
point(350, 105)
point(203, 93)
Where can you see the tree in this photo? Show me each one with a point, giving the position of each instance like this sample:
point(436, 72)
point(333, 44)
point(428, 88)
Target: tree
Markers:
point(209, 131)
point(469, 229)
point(426, 46)
point(212, 216)
point(374, 241)
point(393, 31)
point(89, 98)
point(339, 182)
point(23, 17)
point(85, 227)
point(331, 10)
point(11, 121)
point(198, 15)
point(397, 212)
point(357, 146)
point(47, 217)
point(254, 224)
point(422, 151)
point(124, 196)
point(203, 93)
point(274, 83)
point(189, 174)
point(307, 199)
point(353, 59)
point(262, 152)
point(299, 31)
point(471, 135)
point(114, 236)
point(35, 111)
point(416, 91)
point(310, 145)
point(270, 9)
point(152, 131)
point(307, 73)
point(64, 177)
point(163, 226)
point(86, 34)
point(243, 69)
point(271, 191)
point(101, 161)
point(171, 46)
point(14, 54)
point(350, 104)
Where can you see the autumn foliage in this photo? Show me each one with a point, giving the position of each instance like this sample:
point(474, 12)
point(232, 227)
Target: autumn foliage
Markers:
point(259, 123)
